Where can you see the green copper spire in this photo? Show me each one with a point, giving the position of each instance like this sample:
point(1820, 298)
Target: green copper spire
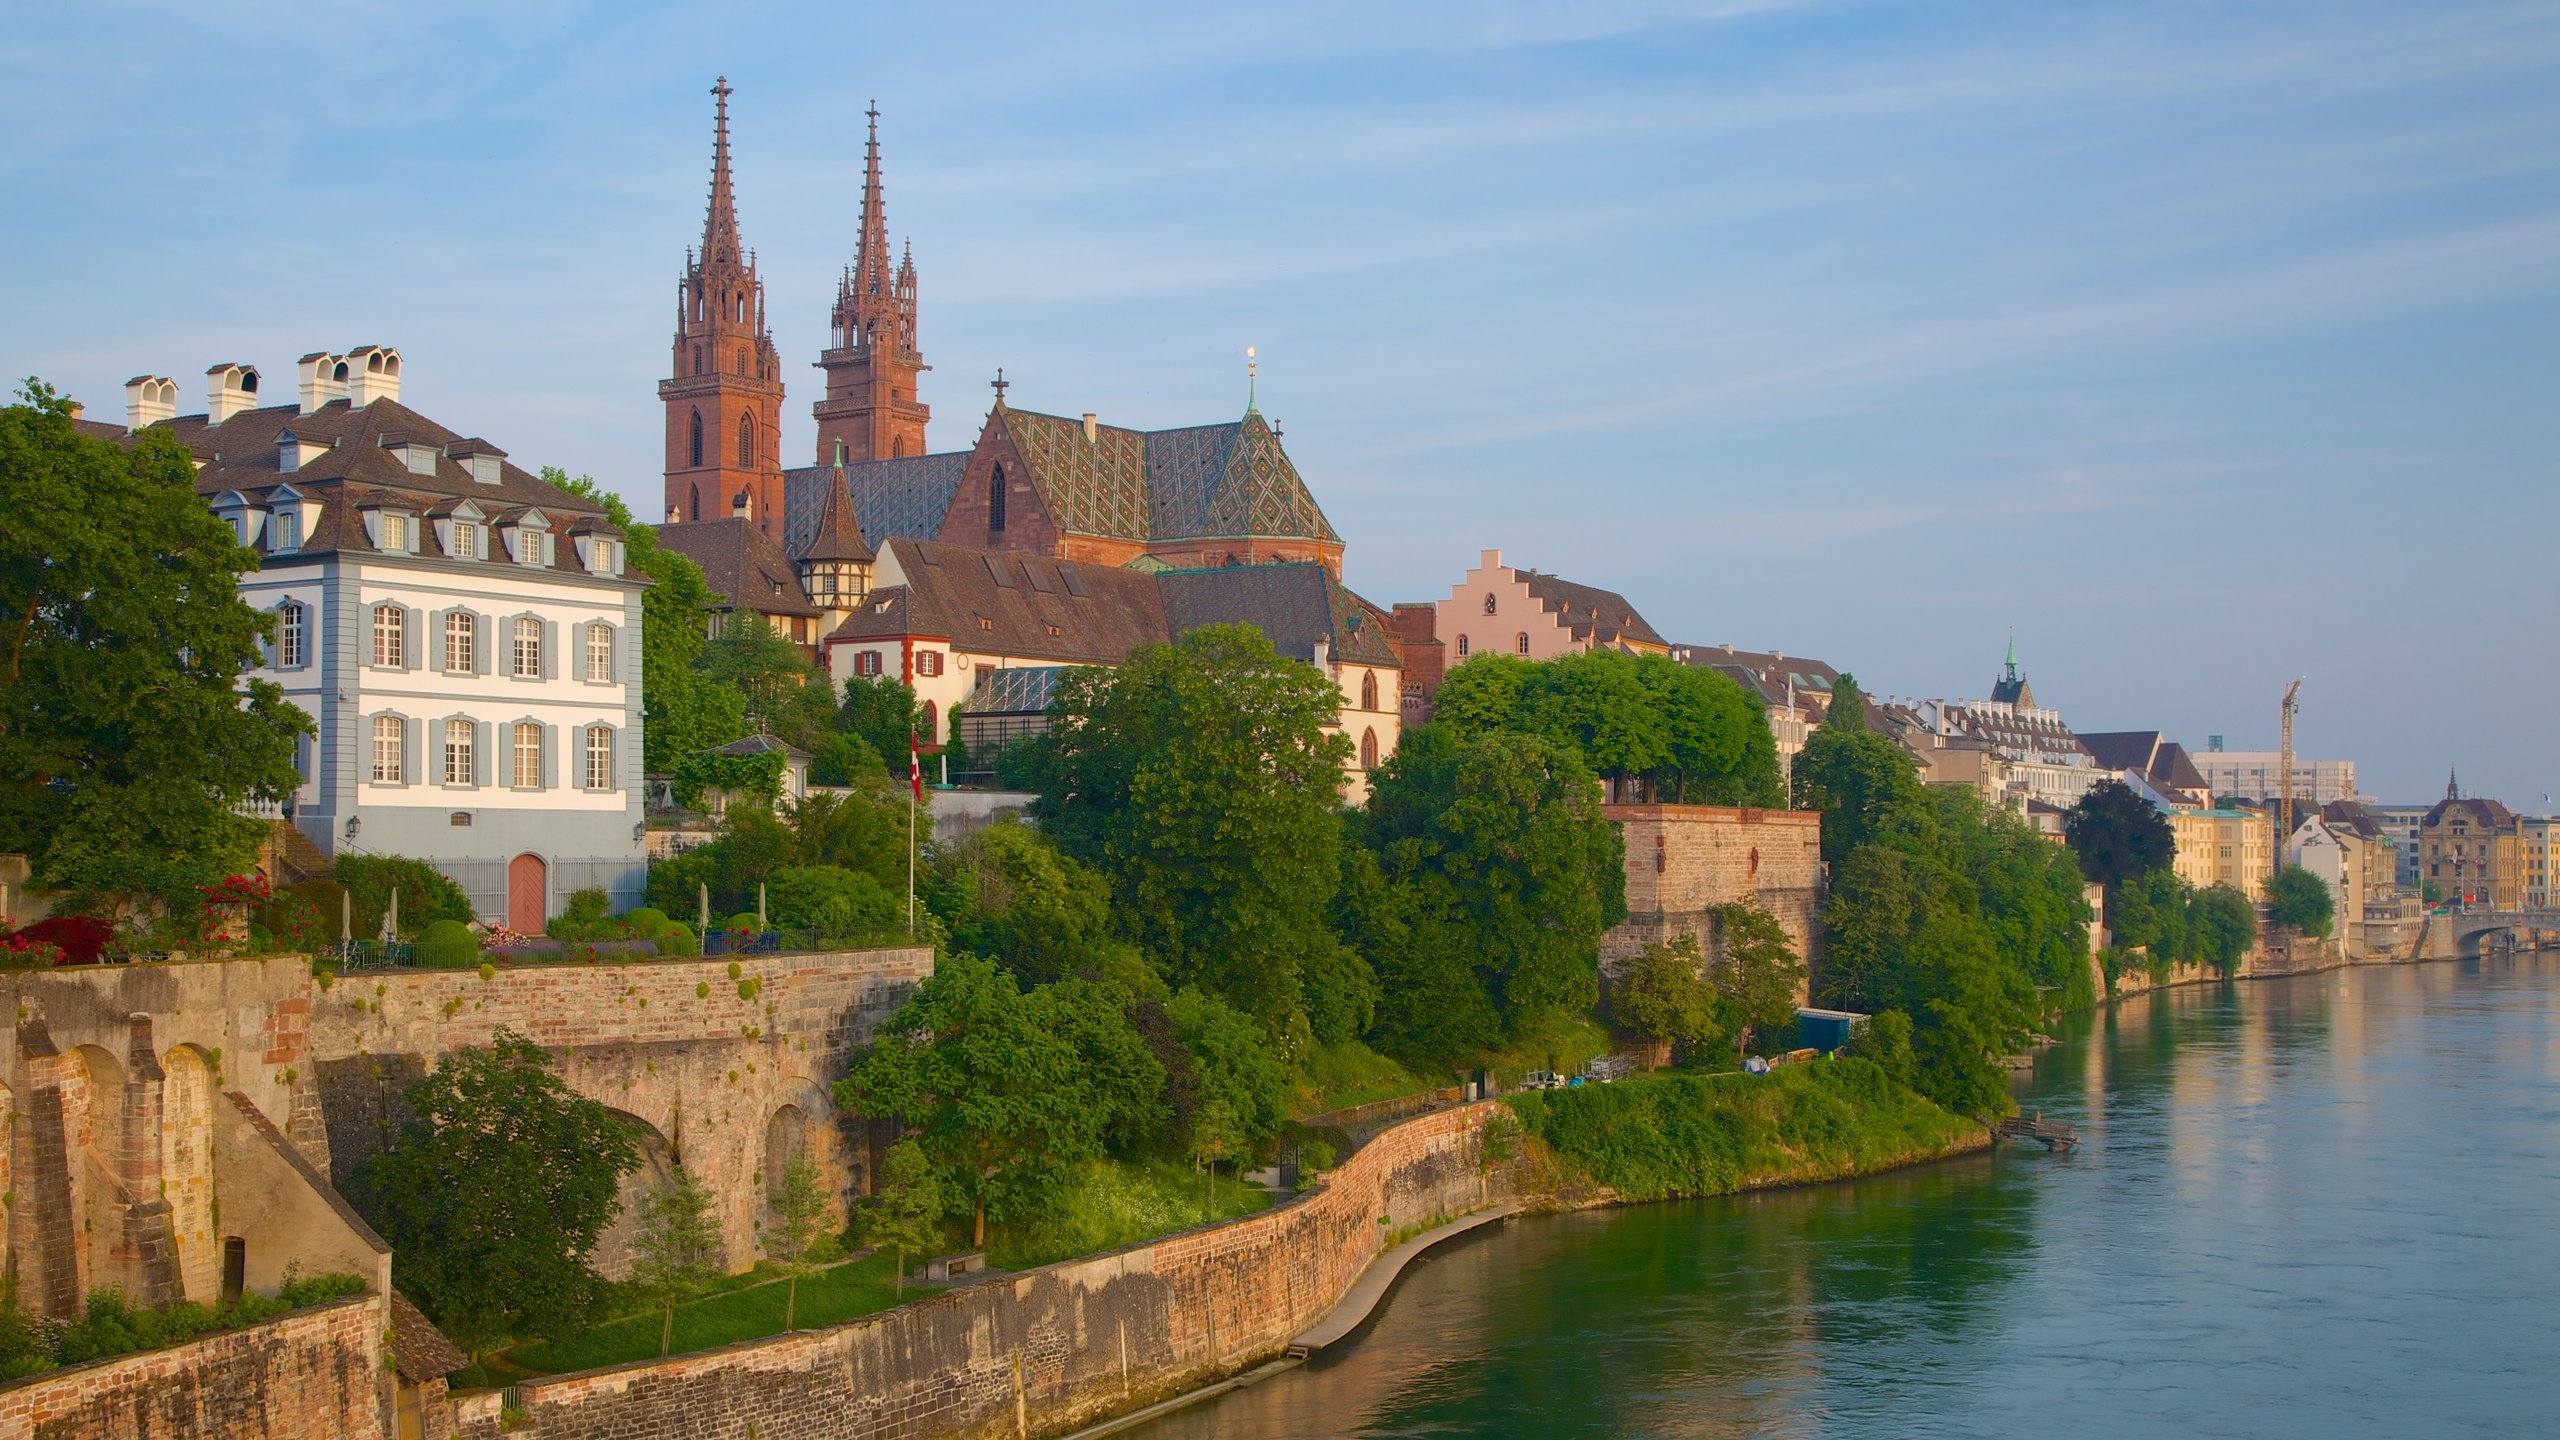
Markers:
point(2013, 652)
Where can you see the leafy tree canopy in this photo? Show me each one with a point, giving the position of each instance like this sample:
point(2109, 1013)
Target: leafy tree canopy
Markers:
point(1685, 734)
point(127, 737)
point(683, 712)
point(1662, 994)
point(1848, 707)
point(883, 712)
point(1866, 787)
point(1200, 779)
point(493, 1198)
point(1759, 969)
point(2301, 899)
point(2118, 835)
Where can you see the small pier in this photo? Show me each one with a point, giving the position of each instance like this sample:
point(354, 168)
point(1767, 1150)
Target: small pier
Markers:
point(2055, 1134)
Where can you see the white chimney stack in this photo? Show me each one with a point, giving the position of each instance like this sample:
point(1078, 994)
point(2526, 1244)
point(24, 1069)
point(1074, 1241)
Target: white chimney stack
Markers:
point(229, 389)
point(373, 373)
point(324, 378)
point(148, 400)
point(1088, 427)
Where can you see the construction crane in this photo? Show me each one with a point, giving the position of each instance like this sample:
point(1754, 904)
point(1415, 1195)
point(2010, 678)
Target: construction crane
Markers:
point(2284, 765)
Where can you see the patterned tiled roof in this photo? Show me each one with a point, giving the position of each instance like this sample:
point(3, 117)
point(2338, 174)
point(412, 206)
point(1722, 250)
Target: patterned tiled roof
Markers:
point(903, 499)
point(1197, 482)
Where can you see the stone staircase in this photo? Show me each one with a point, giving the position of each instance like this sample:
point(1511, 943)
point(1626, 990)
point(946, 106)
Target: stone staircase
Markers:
point(289, 857)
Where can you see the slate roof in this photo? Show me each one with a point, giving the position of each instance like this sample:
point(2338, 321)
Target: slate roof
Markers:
point(1766, 672)
point(2149, 753)
point(1603, 617)
point(1294, 605)
point(902, 499)
point(2486, 814)
point(741, 563)
point(2354, 817)
point(1007, 603)
point(353, 470)
point(838, 535)
point(418, 1348)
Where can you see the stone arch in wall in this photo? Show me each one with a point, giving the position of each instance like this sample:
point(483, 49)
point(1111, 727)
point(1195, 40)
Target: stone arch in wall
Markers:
point(657, 1167)
point(95, 1132)
point(186, 1171)
point(807, 1122)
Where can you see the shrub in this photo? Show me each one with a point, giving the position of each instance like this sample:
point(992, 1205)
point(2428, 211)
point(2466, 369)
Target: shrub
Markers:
point(80, 938)
point(828, 897)
point(587, 917)
point(448, 945)
point(328, 900)
point(17, 952)
point(426, 894)
point(647, 920)
point(744, 923)
point(291, 922)
point(677, 942)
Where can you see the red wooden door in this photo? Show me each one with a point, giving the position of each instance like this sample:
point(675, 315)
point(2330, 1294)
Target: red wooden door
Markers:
point(528, 890)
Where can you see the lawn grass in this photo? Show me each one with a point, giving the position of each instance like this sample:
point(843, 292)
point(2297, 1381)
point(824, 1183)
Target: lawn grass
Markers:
point(841, 1293)
point(1563, 1046)
point(1120, 1202)
point(1344, 1073)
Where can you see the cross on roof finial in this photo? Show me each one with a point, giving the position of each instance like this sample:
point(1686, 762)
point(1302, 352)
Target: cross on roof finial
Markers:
point(1252, 372)
point(998, 385)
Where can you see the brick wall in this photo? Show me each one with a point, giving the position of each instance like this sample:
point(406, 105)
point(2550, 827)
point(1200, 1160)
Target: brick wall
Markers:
point(315, 1374)
point(1684, 860)
point(1055, 1347)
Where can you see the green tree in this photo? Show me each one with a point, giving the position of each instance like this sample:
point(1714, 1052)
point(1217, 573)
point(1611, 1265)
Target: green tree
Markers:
point(906, 1205)
point(1002, 1106)
point(127, 737)
point(675, 1250)
point(751, 658)
point(2224, 925)
point(1039, 913)
point(2298, 898)
point(1507, 864)
point(1680, 733)
point(1867, 788)
point(683, 712)
point(1760, 970)
point(1662, 994)
point(1200, 778)
point(493, 1197)
point(883, 712)
point(2118, 835)
point(1848, 707)
point(1243, 1088)
point(799, 1203)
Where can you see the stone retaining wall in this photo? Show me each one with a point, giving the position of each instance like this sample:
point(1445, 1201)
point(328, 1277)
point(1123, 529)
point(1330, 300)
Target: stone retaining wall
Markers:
point(315, 1374)
point(1050, 1349)
point(1684, 860)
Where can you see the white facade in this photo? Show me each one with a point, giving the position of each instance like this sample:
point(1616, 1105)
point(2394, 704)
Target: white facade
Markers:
point(484, 717)
point(2252, 775)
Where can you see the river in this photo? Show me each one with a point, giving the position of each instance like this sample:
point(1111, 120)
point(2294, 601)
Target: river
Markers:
point(2326, 1206)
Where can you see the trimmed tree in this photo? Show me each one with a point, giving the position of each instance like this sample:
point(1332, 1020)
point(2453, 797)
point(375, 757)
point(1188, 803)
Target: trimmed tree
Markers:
point(906, 1207)
point(799, 1229)
point(493, 1197)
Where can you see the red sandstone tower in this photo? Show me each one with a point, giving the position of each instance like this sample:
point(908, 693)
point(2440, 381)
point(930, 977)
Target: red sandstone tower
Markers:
point(871, 360)
point(724, 404)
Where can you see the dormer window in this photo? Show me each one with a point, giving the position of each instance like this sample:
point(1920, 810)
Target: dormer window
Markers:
point(284, 530)
point(390, 532)
point(466, 540)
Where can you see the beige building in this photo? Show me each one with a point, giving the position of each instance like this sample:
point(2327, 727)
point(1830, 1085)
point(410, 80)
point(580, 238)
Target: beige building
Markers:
point(2541, 862)
point(2223, 847)
point(2473, 850)
point(1501, 610)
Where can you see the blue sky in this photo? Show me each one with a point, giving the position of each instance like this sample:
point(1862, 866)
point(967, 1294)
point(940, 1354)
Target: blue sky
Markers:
point(2204, 344)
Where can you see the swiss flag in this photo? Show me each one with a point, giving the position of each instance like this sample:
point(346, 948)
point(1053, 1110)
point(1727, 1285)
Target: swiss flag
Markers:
point(915, 766)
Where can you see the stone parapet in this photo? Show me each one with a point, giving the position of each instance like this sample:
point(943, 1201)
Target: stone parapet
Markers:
point(315, 1374)
point(1683, 861)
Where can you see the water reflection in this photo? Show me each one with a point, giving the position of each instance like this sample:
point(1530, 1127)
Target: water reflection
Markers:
point(2315, 1207)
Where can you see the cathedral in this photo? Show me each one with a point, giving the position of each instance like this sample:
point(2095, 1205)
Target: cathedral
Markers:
point(1054, 486)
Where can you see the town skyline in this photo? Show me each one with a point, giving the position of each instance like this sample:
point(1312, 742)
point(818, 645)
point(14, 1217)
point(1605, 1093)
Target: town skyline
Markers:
point(2129, 420)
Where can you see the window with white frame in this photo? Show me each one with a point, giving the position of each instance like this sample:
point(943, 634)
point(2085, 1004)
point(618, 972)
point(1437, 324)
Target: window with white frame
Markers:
point(387, 740)
point(466, 540)
point(528, 647)
point(390, 637)
point(599, 651)
point(293, 636)
point(866, 662)
point(457, 752)
point(284, 531)
point(529, 547)
point(395, 532)
point(460, 631)
point(528, 755)
point(928, 662)
point(599, 757)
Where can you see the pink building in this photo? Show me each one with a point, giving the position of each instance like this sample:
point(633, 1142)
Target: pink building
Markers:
point(1503, 610)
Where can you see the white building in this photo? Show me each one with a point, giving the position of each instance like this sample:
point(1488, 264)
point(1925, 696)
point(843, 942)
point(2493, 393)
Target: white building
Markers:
point(463, 633)
point(2025, 751)
point(2252, 775)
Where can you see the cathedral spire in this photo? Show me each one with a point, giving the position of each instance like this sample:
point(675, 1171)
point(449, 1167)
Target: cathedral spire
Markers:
point(720, 223)
point(871, 359)
point(871, 251)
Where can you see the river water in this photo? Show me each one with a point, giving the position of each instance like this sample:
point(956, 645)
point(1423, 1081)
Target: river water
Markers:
point(2326, 1207)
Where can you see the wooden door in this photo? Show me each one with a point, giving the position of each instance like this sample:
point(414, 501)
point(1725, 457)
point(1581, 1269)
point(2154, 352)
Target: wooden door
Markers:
point(528, 894)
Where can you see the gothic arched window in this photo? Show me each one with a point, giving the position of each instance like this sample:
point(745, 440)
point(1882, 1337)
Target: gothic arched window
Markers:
point(1369, 690)
point(742, 362)
point(1522, 644)
point(1488, 604)
point(697, 445)
point(747, 442)
point(1368, 749)
point(995, 501)
point(693, 511)
point(697, 359)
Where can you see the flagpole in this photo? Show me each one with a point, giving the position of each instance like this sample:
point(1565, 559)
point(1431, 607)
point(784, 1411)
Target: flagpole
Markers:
point(915, 794)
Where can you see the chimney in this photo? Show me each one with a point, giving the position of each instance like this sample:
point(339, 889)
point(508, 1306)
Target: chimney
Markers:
point(324, 378)
point(743, 507)
point(229, 388)
point(148, 400)
point(1323, 652)
point(373, 373)
point(674, 514)
point(1088, 427)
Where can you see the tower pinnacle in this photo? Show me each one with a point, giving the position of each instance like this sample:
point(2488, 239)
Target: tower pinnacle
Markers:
point(871, 358)
point(723, 391)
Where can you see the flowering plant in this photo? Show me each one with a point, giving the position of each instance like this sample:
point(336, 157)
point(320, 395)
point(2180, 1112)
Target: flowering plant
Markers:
point(23, 951)
point(237, 890)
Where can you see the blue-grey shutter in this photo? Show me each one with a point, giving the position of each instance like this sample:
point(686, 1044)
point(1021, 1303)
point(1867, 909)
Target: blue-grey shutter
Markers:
point(410, 639)
point(481, 758)
point(409, 757)
point(483, 640)
point(550, 757)
point(550, 666)
point(437, 620)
